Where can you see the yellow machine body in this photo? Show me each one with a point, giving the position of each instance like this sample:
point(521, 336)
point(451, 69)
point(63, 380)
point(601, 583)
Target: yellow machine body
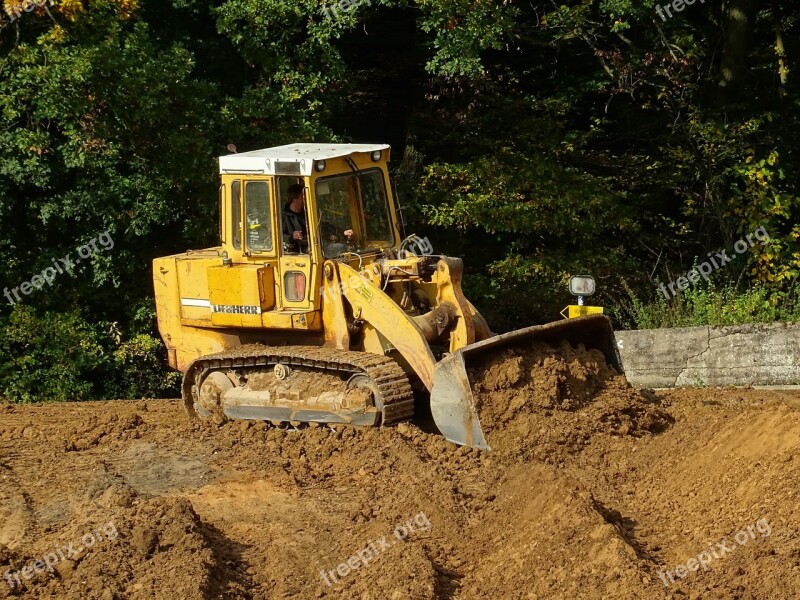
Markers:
point(258, 328)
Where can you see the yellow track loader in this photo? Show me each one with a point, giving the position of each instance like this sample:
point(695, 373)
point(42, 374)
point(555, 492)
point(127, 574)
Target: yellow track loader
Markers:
point(315, 309)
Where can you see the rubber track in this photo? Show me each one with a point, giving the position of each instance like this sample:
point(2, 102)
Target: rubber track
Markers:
point(398, 399)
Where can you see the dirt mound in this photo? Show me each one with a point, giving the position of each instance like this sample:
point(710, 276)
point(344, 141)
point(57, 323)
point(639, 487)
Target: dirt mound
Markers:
point(548, 402)
point(119, 545)
point(245, 511)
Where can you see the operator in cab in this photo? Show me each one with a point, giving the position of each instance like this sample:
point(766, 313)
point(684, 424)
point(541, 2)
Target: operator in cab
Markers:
point(295, 225)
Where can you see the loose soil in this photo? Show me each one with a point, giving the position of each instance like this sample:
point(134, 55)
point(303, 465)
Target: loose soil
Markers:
point(591, 490)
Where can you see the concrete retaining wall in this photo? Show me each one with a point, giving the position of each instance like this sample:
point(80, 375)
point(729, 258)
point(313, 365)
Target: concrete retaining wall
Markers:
point(736, 355)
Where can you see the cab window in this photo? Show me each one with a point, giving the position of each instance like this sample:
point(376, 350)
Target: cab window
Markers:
point(336, 198)
point(258, 211)
point(236, 214)
point(343, 200)
point(376, 209)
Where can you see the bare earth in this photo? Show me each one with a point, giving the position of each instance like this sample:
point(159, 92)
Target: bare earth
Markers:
point(591, 490)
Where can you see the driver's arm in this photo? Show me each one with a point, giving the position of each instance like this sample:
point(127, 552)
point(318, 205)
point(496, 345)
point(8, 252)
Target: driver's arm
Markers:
point(286, 228)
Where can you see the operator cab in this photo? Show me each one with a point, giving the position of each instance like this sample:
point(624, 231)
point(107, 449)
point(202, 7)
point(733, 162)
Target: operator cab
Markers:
point(347, 207)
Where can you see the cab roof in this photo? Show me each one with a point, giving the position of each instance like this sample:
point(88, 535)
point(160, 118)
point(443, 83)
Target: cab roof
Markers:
point(292, 159)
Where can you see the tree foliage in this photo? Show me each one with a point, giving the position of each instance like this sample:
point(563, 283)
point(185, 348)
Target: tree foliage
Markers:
point(536, 140)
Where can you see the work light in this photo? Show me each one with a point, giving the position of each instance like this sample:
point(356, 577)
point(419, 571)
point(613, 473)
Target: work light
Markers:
point(581, 285)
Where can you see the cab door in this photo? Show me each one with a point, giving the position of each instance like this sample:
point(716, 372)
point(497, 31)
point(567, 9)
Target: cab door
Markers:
point(243, 289)
point(295, 270)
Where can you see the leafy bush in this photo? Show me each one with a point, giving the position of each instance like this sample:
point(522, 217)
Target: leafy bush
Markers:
point(52, 357)
point(709, 305)
point(140, 371)
point(62, 357)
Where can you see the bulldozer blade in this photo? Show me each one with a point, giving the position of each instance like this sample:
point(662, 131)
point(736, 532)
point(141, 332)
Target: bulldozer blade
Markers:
point(452, 403)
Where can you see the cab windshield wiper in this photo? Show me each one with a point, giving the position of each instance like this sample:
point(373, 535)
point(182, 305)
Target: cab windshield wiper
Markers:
point(352, 165)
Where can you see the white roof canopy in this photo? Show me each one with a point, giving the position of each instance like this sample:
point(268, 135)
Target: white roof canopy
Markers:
point(294, 159)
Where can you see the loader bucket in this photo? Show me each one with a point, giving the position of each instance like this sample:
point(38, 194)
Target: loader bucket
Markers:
point(452, 404)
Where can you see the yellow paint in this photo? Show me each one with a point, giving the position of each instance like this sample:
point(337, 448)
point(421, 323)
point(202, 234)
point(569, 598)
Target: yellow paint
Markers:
point(219, 298)
point(574, 311)
point(383, 314)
